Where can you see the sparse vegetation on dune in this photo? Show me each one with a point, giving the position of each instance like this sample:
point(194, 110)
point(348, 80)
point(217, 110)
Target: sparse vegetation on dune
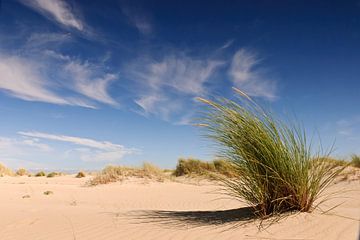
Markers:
point(48, 192)
point(4, 171)
point(22, 172)
point(80, 175)
point(118, 173)
point(52, 174)
point(195, 167)
point(275, 168)
point(336, 162)
point(355, 161)
point(40, 174)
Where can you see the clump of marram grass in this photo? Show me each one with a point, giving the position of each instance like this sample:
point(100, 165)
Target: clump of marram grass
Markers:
point(192, 166)
point(151, 171)
point(4, 171)
point(335, 162)
point(355, 160)
point(118, 173)
point(195, 167)
point(52, 174)
point(80, 175)
point(276, 171)
point(224, 167)
point(40, 174)
point(21, 172)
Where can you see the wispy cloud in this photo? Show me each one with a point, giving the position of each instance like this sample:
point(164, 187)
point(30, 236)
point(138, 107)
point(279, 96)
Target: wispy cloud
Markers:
point(58, 11)
point(164, 85)
point(10, 144)
point(39, 40)
point(246, 75)
point(139, 20)
point(87, 83)
point(19, 152)
point(227, 44)
point(38, 77)
point(348, 127)
point(90, 150)
point(22, 79)
point(88, 79)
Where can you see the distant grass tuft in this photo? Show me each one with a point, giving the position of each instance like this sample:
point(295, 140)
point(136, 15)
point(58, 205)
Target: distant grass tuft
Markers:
point(40, 174)
point(4, 171)
point(80, 175)
point(22, 172)
point(48, 192)
point(335, 162)
point(52, 174)
point(195, 167)
point(276, 171)
point(151, 171)
point(118, 173)
point(355, 160)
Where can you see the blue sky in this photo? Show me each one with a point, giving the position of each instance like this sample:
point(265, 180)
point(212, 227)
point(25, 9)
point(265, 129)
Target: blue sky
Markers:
point(84, 84)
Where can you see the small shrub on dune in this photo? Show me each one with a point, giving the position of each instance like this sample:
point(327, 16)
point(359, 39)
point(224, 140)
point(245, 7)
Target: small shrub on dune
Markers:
point(197, 167)
point(22, 172)
point(103, 179)
point(225, 168)
point(4, 171)
point(355, 161)
point(335, 162)
point(52, 174)
point(118, 173)
point(80, 175)
point(107, 175)
point(275, 168)
point(40, 174)
point(192, 166)
point(153, 172)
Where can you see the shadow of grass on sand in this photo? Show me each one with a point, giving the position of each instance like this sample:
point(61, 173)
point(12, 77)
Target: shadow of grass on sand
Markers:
point(195, 218)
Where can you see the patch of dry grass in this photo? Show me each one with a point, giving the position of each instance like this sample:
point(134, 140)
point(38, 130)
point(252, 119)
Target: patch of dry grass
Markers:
point(40, 174)
point(5, 171)
point(195, 167)
point(22, 172)
point(118, 173)
point(355, 161)
point(80, 174)
point(53, 174)
point(335, 162)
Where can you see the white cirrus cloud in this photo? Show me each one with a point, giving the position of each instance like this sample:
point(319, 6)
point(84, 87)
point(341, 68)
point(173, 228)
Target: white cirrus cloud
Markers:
point(85, 78)
point(20, 152)
point(38, 40)
point(56, 10)
point(22, 78)
point(139, 20)
point(21, 145)
point(90, 150)
point(245, 75)
point(90, 82)
point(348, 127)
point(164, 85)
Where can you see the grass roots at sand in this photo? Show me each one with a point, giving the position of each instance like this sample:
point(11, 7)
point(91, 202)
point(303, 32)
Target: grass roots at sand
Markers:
point(276, 171)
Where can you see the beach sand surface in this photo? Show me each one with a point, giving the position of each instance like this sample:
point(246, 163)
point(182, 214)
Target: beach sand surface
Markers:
point(141, 209)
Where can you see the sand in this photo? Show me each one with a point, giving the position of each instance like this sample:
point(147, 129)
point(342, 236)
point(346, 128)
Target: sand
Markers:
point(136, 209)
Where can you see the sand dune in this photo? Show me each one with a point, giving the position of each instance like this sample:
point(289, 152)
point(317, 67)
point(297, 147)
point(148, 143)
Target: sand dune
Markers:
point(169, 210)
